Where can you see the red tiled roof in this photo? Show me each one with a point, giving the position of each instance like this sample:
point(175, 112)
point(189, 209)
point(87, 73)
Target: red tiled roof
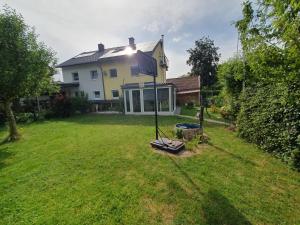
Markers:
point(185, 83)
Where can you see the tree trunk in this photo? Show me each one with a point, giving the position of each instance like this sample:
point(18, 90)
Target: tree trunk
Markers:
point(13, 132)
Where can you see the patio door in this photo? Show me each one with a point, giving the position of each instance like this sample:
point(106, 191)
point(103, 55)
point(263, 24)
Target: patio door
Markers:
point(136, 100)
point(127, 101)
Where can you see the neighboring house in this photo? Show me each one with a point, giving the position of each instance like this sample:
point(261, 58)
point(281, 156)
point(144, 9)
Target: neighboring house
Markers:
point(187, 89)
point(109, 74)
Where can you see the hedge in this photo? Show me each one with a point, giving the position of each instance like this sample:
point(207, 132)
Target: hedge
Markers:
point(270, 117)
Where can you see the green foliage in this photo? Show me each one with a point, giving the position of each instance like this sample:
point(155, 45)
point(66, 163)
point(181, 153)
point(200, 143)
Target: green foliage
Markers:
point(204, 58)
point(61, 106)
point(80, 104)
point(24, 117)
point(26, 65)
point(270, 118)
point(230, 77)
point(190, 105)
point(269, 107)
point(179, 133)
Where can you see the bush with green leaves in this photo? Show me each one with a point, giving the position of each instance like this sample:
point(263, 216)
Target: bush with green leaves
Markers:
point(270, 118)
point(80, 104)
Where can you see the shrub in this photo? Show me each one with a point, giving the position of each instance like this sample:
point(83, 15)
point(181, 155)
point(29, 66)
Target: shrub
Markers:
point(2, 118)
point(214, 109)
point(25, 117)
point(80, 104)
point(190, 105)
point(179, 133)
point(61, 106)
point(270, 118)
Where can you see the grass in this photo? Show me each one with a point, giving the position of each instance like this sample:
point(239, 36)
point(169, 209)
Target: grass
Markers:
point(99, 169)
point(193, 111)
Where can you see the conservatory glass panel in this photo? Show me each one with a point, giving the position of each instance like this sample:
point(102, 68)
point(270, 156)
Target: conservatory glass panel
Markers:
point(148, 100)
point(163, 99)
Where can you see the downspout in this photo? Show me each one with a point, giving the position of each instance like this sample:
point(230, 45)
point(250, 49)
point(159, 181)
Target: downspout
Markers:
point(102, 81)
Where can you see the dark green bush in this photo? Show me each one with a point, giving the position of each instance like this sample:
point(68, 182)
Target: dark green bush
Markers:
point(25, 117)
point(61, 106)
point(80, 104)
point(2, 118)
point(270, 118)
point(179, 133)
point(190, 105)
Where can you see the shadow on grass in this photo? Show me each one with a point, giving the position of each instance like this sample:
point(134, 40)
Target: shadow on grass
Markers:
point(233, 155)
point(4, 154)
point(216, 208)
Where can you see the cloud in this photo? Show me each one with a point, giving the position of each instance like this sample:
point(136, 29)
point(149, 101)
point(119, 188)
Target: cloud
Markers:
point(73, 26)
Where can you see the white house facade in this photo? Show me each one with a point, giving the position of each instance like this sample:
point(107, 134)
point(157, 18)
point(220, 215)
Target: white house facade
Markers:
point(89, 76)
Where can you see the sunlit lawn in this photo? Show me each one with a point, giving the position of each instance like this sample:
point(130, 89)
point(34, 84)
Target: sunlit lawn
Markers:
point(100, 169)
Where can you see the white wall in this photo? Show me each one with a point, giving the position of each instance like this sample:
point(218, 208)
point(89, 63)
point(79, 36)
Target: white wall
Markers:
point(86, 83)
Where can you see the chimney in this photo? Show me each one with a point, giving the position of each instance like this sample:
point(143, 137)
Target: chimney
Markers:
point(101, 47)
point(131, 42)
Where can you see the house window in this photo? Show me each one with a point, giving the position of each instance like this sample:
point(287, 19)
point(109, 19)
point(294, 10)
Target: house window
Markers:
point(115, 93)
point(113, 72)
point(94, 74)
point(97, 94)
point(76, 93)
point(163, 99)
point(148, 100)
point(134, 70)
point(75, 76)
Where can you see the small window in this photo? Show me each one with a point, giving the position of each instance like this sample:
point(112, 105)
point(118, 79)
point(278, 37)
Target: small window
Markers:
point(76, 94)
point(97, 94)
point(134, 70)
point(94, 74)
point(113, 72)
point(75, 76)
point(115, 93)
point(82, 94)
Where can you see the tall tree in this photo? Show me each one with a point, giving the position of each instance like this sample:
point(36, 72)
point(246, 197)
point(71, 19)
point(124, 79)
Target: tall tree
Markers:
point(204, 58)
point(26, 65)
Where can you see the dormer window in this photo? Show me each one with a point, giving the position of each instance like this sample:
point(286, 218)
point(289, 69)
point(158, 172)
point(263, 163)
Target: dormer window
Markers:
point(75, 76)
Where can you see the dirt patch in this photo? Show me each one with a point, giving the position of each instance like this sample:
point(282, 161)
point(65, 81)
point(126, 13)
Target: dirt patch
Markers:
point(184, 153)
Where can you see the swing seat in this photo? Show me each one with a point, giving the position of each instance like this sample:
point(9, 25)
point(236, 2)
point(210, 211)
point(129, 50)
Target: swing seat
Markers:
point(168, 145)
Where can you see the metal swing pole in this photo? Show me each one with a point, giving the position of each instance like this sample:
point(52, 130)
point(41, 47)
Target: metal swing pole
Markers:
point(155, 109)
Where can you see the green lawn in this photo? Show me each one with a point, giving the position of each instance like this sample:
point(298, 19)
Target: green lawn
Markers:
point(100, 170)
point(193, 111)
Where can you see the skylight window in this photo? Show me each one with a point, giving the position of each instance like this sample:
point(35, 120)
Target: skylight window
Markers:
point(85, 54)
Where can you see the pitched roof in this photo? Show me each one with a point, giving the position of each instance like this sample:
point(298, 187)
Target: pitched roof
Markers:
point(190, 83)
point(108, 54)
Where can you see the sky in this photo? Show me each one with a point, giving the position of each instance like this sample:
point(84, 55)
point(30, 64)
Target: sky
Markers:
point(73, 26)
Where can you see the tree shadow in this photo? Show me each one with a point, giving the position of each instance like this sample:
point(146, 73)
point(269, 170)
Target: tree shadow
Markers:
point(232, 155)
point(4, 154)
point(218, 210)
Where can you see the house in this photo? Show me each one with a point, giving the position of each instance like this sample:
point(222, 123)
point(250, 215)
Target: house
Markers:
point(188, 89)
point(111, 75)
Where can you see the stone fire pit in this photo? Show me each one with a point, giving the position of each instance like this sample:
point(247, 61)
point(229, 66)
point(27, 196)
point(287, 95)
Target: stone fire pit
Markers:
point(189, 130)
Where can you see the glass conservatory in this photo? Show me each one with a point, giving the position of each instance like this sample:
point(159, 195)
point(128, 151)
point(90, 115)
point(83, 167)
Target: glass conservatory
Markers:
point(139, 99)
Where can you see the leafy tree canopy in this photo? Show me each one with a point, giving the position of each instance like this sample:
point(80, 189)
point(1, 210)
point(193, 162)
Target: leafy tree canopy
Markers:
point(204, 58)
point(26, 65)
